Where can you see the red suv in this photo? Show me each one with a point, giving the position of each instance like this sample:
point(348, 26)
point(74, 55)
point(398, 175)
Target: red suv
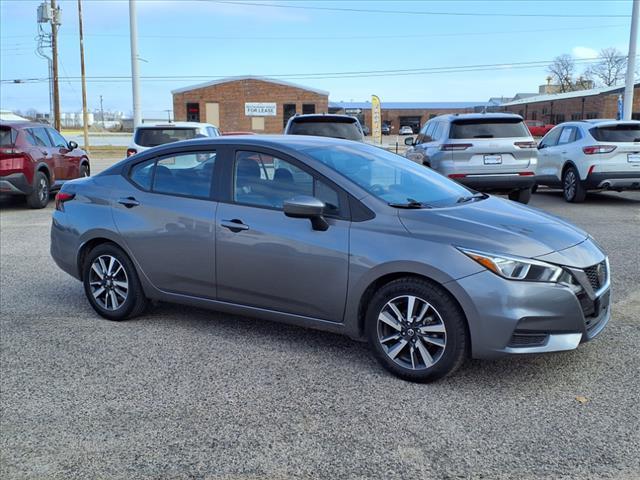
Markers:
point(35, 159)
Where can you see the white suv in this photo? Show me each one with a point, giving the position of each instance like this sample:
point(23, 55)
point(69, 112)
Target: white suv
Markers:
point(590, 155)
point(151, 135)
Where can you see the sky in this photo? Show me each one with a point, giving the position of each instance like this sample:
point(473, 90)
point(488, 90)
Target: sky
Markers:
point(309, 42)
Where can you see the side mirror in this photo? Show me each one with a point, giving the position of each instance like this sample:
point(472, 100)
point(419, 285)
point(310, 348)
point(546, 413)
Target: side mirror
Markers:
point(72, 145)
point(409, 141)
point(303, 206)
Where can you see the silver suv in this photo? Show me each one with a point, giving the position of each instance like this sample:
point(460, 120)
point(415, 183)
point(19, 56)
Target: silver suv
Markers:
point(490, 152)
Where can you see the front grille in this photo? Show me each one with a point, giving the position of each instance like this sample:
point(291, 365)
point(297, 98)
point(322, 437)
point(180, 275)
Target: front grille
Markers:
point(597, 275)
point(519, 339)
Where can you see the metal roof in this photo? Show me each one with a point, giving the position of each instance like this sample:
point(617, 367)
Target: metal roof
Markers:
point(247, 77)
point(561, 96)
point(410, 105)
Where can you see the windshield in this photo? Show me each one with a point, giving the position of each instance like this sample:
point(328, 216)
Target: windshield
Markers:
point(489, 128)
point(617, 133)
point(392, 178)
point(348, 131)
point(152, 137)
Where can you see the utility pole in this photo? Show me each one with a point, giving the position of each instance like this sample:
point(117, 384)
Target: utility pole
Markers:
point(631, 63)
point(85, 114)
point(135, 74)
point(101, 112)
point(54, 49)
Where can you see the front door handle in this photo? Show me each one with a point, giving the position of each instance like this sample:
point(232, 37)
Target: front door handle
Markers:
point(234, 225)
point(128, 202)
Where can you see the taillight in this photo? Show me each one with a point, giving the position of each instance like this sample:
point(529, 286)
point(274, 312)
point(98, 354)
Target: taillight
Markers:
point(61, 198)
point(525, 144)
point(131, 151)
point(12, 159)
point(595, 149)
point(452, 147)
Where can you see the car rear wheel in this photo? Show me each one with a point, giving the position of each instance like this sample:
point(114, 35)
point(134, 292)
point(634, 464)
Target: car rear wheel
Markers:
point(572, 188)
point(416, 330)
point(39, 198)
point(111, 283)
point(521, 196)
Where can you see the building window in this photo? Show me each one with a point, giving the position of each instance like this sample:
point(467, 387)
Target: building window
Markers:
point(193, 112)
point(534, 115)
point(576, 116)
point(592, 115)
point(257, 123)
point(308, 108)
point(288, 111)
point(559, 118)
point(544, 111)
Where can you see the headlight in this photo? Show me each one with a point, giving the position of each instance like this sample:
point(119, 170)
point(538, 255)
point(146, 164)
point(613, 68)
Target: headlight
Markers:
point(515, 268)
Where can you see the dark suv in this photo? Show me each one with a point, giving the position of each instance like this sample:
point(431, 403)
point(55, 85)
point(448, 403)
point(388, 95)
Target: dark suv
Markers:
point(325, 125)
point(35, 159)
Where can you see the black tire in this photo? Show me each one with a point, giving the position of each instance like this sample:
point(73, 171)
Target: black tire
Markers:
point(84, 170)
point(446, 311)
point(135, 302)
point(572, 189)
point(534, 189)
point(521, 196)
point(39, 198)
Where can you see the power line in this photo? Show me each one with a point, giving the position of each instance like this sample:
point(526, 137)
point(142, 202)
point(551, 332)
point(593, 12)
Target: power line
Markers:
point(326, 75)
point(405, 12)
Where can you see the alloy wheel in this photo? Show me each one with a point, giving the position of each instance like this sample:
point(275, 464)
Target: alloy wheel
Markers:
point(570, 185)
point(411, 332)
point(108, 282)
point(43, 190)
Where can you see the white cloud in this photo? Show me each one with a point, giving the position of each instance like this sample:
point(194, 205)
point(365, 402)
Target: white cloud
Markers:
point(584, 52)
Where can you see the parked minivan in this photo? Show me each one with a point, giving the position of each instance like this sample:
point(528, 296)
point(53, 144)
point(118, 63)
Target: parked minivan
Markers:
point(490, 152)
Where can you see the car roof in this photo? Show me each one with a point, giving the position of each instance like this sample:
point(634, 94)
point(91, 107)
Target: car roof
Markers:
point(174, 125)
point(602, 122)
point(476, 116)
point(19, 124)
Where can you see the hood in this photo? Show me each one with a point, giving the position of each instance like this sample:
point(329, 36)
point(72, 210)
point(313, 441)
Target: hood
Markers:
point(494, 225)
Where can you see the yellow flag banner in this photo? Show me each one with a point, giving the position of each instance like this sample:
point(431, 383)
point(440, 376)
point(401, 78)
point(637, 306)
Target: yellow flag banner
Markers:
point(376, 119)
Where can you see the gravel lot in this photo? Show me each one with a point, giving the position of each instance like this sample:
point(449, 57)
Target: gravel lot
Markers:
point(188, 393)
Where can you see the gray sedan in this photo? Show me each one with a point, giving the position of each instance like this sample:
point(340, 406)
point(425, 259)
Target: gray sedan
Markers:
point(334, 235)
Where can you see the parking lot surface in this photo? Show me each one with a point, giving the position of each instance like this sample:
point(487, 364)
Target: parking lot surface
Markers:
point(187, 393)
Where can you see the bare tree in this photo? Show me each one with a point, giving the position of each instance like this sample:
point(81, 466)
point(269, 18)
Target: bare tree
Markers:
point(610, 69)
point(562, 70)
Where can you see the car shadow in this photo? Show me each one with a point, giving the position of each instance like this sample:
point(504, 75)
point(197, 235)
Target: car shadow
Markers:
point(16, 202)
point(599, 198)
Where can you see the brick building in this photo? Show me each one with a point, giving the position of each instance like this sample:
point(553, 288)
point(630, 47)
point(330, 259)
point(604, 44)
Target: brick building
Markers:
point(583, 104)
point(399, 114)
point(249, 103)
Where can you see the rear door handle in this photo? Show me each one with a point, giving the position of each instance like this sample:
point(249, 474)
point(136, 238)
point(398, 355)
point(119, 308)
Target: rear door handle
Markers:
point(234, 225)
point(128, 202)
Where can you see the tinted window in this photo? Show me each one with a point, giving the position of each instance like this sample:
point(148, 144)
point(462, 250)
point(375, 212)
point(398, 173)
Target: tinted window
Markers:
point(349, 131)
point(142, 174)
point(266, 181)
point(152, 137)
point(7, 136)
point(488, 128)
point(617, 133)
point(185, 174)
point(40, 137)
point(390, 177)
point(57, 139)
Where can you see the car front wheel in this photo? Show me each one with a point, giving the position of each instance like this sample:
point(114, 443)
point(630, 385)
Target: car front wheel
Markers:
point(416, 330)
point(572, 188)
point(111, 283)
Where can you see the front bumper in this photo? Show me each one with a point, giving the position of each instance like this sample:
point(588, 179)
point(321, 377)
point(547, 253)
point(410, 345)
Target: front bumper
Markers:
point(15, 184)
point(613, 181)
point(512, 317)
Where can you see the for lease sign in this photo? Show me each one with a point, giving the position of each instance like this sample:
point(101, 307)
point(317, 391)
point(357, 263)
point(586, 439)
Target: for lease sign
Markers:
point(259, 109)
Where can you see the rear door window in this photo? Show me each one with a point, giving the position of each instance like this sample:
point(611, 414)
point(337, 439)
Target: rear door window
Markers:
point(40, 137)
point(488, 128)
point(152, 136)
point(617, 133)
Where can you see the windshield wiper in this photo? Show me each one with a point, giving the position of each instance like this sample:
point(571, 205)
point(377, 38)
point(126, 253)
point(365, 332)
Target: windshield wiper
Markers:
point(475, 196)
point(411, 203)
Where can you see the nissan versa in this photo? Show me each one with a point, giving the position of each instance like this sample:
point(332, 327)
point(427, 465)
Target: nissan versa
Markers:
point(335, 235)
